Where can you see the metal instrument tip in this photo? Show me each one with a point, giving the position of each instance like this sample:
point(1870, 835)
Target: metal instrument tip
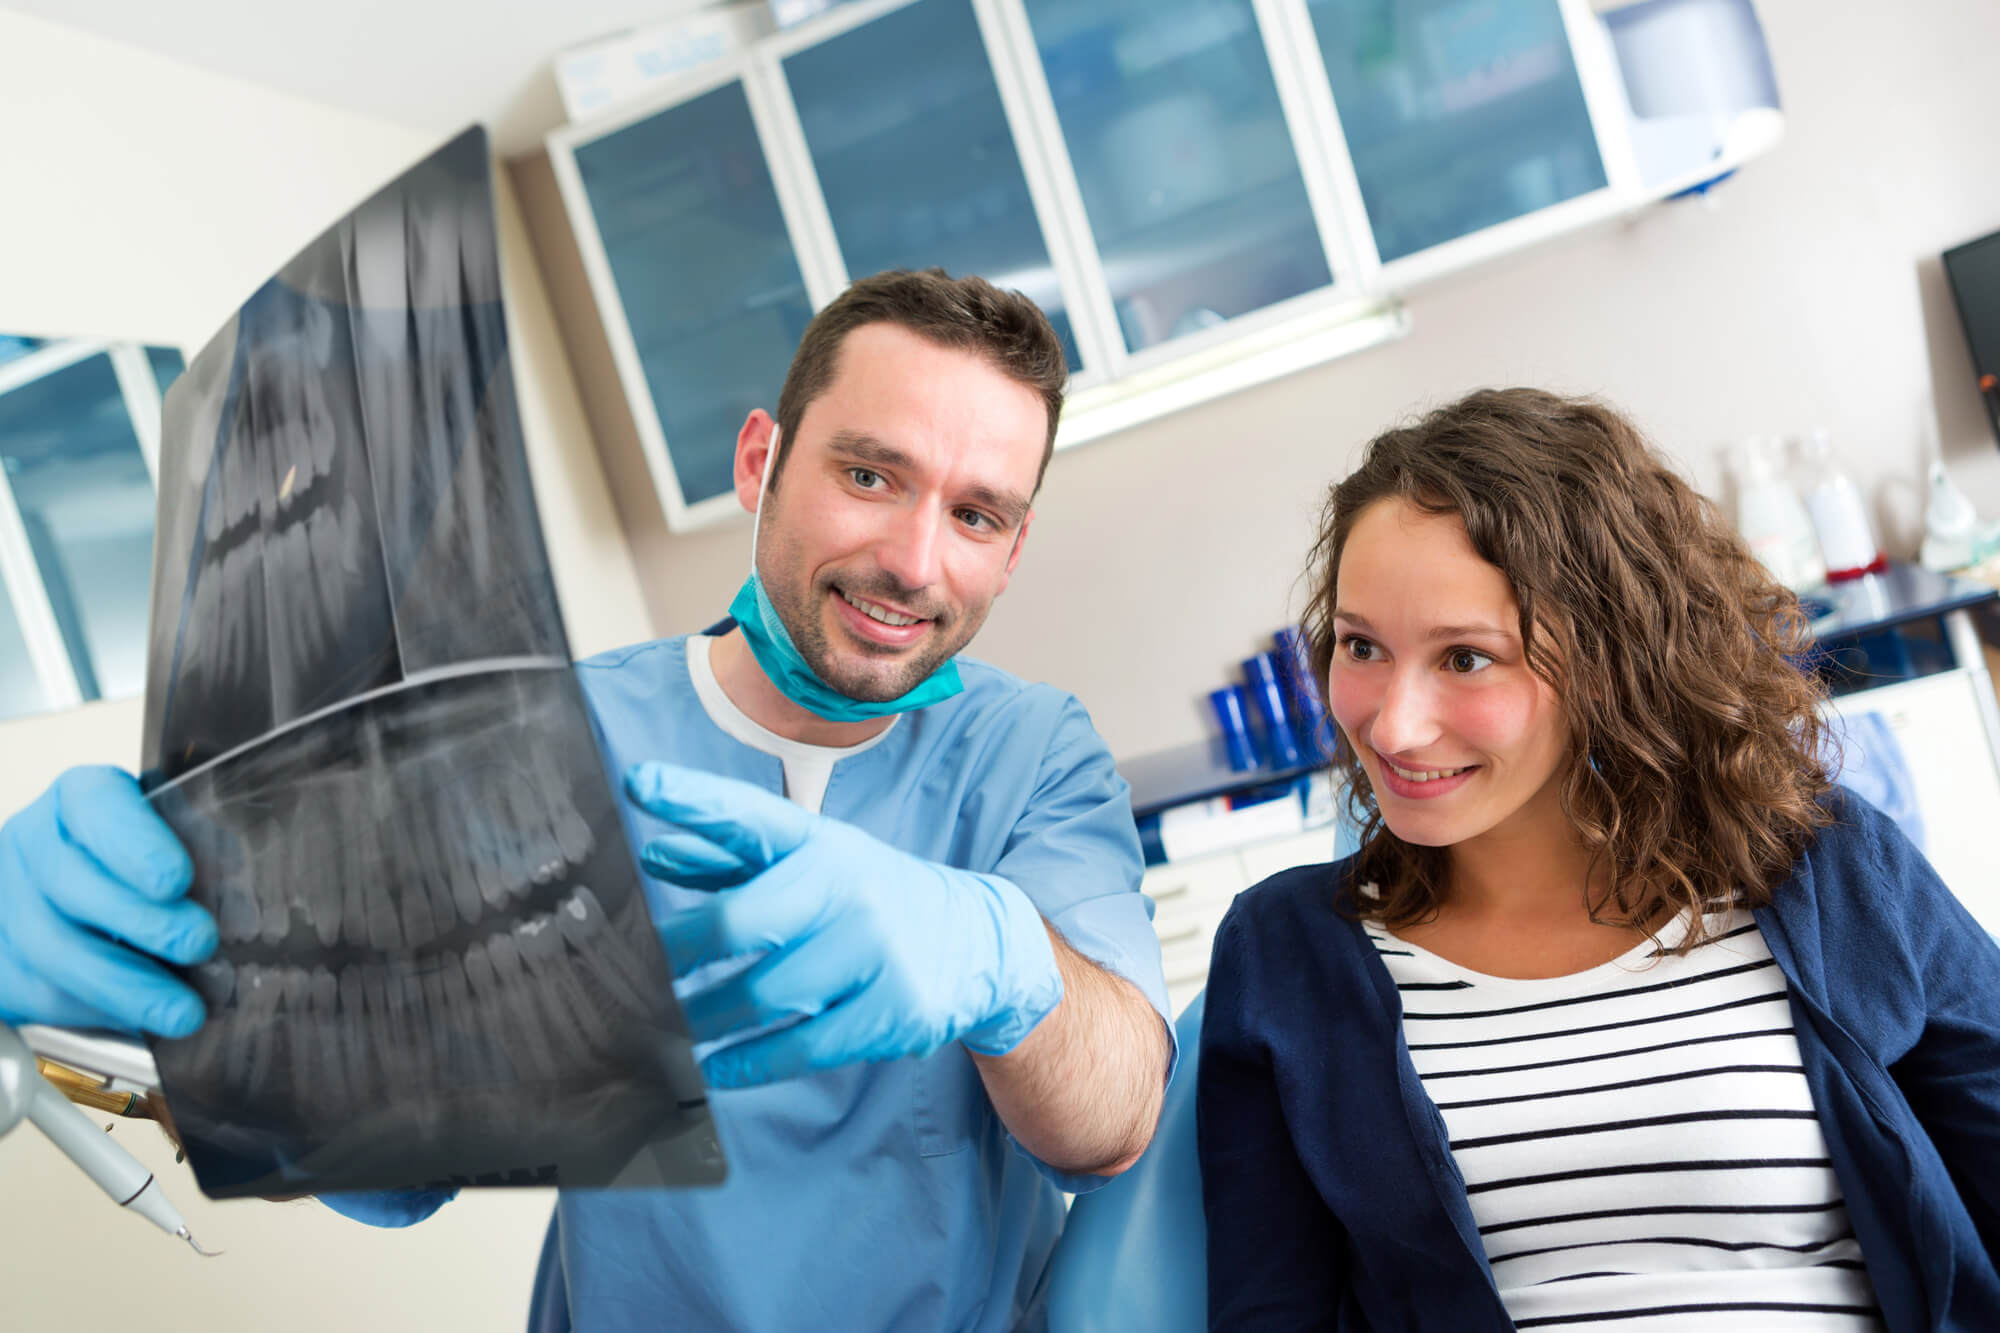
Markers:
point(195, 1245)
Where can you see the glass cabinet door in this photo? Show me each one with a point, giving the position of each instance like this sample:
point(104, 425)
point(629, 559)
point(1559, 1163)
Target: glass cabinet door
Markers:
point(914, 156)
point(20, 686)
point(86, 499)
point(705, 270)
point(1458, 114)
point(1188, 173)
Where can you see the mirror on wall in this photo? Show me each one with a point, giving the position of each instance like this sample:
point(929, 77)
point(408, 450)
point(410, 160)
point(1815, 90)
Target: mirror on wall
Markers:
point(79, 442)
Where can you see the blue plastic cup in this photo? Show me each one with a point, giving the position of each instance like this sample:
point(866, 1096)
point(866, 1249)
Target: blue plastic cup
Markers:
point(1232, 711)
point(1266, 677)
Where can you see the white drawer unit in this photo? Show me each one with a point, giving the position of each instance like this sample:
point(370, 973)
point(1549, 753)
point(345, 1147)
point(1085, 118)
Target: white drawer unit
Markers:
point(1190, 898)
point(1266, 859)
point(1197, 887)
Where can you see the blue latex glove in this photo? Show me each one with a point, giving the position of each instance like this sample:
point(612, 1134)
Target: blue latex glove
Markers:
point(91, 881)
point(877, 954)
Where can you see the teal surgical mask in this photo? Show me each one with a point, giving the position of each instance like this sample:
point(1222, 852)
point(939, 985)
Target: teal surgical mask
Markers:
point(771, 644)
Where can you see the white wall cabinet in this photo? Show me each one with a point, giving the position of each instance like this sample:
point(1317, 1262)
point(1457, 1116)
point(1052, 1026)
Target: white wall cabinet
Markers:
point(1201, 193)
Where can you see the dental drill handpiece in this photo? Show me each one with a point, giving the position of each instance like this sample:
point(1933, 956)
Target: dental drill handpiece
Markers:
point(25, 1093)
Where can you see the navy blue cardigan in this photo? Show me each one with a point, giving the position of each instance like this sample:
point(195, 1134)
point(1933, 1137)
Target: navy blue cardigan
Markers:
point(1331, 1195)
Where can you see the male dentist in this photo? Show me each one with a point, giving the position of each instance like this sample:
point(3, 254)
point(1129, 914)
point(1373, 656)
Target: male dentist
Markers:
point(901, 885)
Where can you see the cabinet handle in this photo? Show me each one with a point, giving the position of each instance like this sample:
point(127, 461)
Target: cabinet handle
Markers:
point(1161, 895)
point(1186, 932)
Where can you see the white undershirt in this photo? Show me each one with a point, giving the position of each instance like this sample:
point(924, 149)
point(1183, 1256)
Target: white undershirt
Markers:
point(808, 768)
point(1639, 1145)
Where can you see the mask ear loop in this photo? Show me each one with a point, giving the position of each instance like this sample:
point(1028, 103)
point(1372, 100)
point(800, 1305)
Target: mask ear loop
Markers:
point(763, 485)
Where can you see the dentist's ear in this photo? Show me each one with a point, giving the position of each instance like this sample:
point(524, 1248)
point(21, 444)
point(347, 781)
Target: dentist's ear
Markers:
point(756, 446)
point(1014, 556)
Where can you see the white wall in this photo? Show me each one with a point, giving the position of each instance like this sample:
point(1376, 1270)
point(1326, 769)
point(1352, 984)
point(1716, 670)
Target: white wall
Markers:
point(144, 199)
point(1811, 295)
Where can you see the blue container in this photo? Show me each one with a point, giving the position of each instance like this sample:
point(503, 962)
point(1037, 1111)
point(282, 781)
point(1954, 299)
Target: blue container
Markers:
point(1232, 712)
point(1315, 730)
point(1265, 674)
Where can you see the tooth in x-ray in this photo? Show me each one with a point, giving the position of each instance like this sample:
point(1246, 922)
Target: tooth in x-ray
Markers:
point(403, 1026)
point(572, 832)
point(408, 1047)
point(324, 1057)
point(318, 870)
point(477, 830)
point(443, 1019)
point(482, 1005)
point(216, 982)
point(384, 1019)
point(299, 599)
point(296, 1035)
point(272, 888)
point(504, 841)
point(422, 1056)
point(414, 904)
point(385, 924)
point(247, 1058)
point(513, 990)
point(517, 817)
point(443, 838)
point(541, 946)
point(434, 867)
point(467, 1042)
point(586, 929)
point(332, 541)
point(354, 1037)
point(263, 856)
point(353, 910)
point(550, 1009)
point(236, 912)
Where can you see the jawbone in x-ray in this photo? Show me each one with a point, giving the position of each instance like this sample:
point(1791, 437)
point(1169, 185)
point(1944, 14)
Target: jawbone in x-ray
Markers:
point(436, 964)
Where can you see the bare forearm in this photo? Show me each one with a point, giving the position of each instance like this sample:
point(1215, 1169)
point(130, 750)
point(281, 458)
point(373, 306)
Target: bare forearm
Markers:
point(1083, 1091)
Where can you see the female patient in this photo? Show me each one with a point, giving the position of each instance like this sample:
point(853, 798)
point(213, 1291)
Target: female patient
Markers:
point(1622, 1016)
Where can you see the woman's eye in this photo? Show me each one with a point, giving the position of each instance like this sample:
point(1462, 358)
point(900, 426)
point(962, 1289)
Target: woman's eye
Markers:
point(1358, 648)
point(1465, 661)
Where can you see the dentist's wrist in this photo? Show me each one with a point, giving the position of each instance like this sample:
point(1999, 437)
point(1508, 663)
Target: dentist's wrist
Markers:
point(1031, 983)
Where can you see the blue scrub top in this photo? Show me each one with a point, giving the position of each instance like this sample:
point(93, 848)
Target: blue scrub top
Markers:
point(882, 1196)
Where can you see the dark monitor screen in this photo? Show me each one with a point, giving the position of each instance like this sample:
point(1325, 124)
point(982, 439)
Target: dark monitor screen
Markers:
point(1974, 272)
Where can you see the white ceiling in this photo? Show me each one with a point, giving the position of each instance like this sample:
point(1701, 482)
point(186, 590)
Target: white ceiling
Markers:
point(423, 64)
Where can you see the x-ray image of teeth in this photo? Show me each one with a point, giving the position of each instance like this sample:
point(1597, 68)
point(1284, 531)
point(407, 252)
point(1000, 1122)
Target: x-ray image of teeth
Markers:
point(436, 962)
point(526, 1032)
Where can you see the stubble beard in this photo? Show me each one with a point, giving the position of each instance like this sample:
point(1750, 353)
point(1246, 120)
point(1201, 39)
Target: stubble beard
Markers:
point(807, 626)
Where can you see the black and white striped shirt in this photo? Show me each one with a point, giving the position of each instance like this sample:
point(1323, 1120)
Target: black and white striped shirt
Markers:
point(1638, 1141)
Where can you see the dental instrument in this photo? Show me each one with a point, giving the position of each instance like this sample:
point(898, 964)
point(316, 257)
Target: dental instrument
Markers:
point(25, 1094)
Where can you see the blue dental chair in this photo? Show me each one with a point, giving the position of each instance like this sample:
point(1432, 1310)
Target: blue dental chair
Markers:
point(1134, 1256)
point(1132, 1259)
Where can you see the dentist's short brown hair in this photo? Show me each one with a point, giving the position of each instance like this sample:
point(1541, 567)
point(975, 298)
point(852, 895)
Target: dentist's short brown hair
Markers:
point(968, 313)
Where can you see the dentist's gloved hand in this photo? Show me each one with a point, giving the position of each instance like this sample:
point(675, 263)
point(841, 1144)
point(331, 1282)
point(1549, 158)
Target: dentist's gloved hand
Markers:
point(878, 954)
point(91, 881)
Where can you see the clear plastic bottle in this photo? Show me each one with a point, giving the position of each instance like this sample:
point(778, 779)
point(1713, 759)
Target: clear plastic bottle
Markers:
point(1846, 538)
point(1773, 522)
point(1950, 525)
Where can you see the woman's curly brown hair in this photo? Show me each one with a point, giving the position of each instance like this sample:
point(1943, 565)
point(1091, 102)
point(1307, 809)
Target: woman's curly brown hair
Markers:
point(1697, 761)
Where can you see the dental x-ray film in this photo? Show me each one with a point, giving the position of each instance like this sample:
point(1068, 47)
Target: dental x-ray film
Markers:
point(436, 964)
